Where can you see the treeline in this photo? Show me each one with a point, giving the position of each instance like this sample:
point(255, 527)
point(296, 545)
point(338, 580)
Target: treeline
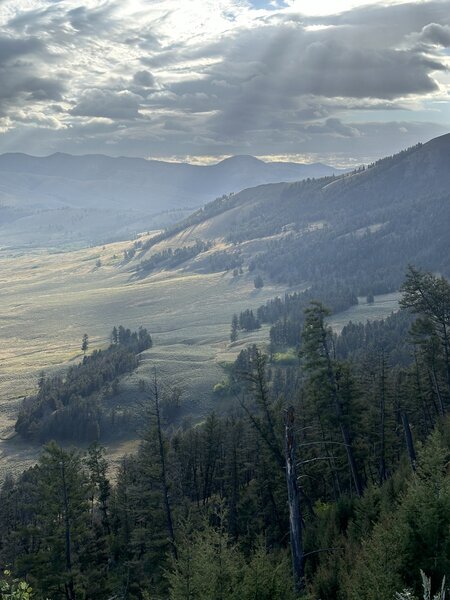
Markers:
point(286, 315)
point(225, 261)
point(70, 406)
point(245, 322)
point(371, 261)
point(202, 511)
point(170, 258)
point(357, 340)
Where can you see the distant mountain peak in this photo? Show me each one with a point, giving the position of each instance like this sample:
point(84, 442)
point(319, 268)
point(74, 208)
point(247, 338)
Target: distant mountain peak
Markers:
point(241, 159)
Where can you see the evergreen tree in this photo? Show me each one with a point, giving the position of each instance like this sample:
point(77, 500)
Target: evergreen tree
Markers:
point(258, 282)
point(429, 297)
point(85, 343)
point(234, 329)
point(326, 374)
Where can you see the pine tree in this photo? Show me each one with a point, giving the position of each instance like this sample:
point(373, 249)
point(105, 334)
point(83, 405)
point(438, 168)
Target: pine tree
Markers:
point(429, 297)
point(234, 329)
point(62, 511)
point(326, 374)
point(85, 343)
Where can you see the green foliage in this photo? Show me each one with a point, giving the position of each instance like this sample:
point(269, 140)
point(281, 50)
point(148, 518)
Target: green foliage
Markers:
point(211, 566)
point(285, 358)
point(69, 407)
point(222, 388)
point(64, 526)
point(413, 537)
point(287, 315)
point(13, 589)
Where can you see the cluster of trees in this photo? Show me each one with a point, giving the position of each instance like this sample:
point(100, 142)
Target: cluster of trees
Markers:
point(170, 258)
point(245, 322)
point(225, 261)
point(371, 261)
point(357, 340)
point(286, 315)
point(258, 282)
point(204, 511)
point(136, 341)
point(69, 406)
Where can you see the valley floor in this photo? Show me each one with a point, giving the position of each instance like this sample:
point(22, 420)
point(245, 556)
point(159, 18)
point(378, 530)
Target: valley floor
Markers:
point(49, 300)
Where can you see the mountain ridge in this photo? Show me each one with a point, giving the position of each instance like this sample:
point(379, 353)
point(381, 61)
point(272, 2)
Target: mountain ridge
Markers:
point(133, 194)
point(358, 227)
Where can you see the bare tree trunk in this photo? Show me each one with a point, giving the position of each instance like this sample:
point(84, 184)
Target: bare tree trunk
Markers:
point(162, 457)
point(428, 421)
point(447, 356)
point(69, 587)
point(295, 520)
point(409, 440)
point(382, 466)
point(437, 389)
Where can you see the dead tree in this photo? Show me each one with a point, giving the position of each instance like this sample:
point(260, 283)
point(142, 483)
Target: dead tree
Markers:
point(295, 519)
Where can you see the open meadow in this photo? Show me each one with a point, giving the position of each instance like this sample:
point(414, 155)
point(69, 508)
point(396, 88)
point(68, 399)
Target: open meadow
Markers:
point(48, 300)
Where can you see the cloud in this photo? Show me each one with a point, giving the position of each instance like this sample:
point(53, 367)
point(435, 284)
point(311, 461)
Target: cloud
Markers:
point(91, 21)
point(144, 79)
point(438, 35)
point(23, 74)
point(107, 104)
point(334, 127)
point(221, 76)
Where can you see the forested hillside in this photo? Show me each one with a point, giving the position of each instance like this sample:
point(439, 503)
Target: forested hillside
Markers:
point(204, 511)
point(362, 228)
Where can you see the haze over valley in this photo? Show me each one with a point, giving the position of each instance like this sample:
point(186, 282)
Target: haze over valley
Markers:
point(64, 200)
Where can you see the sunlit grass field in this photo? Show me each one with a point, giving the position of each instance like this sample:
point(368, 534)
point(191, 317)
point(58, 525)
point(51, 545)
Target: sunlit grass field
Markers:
point(49, 300)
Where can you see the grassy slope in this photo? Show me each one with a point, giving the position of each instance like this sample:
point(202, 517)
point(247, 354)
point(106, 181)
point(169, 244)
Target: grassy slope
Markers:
point(47, 302)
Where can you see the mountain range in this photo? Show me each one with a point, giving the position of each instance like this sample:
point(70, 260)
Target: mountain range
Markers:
point(66, 199)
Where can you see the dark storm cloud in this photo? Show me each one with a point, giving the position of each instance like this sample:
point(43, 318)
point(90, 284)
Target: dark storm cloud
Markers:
point(284, 62)
point(278, 77)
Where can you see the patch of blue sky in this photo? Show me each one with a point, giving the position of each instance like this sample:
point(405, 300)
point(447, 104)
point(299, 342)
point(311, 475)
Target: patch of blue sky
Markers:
point(267, 4)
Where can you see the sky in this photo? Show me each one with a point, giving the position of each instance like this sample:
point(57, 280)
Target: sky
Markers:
point(340, 81)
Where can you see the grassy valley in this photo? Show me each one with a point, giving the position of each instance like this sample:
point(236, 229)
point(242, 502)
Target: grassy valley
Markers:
point(49, 300)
